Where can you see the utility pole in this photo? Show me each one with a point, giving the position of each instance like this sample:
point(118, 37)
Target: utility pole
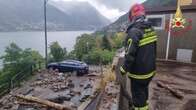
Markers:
point(169, 37)
point(45, 28)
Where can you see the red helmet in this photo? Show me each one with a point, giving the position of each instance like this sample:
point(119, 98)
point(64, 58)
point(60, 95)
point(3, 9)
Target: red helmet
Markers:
point(136, 10)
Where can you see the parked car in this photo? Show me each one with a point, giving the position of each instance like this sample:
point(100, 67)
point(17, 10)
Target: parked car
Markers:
point(70, 66)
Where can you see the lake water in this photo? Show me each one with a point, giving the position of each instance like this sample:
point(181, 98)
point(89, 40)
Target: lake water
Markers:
point(36, 40)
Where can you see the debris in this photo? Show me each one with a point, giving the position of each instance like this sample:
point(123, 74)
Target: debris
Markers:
point(44, 102)
point(53, 87)
point(190, 105)
point(31, 104)
point(59, 98)
point(93, 74)
point(175, 93)
point(110, 99)
point(88, 86)
point(70, 84)
point(8, 106)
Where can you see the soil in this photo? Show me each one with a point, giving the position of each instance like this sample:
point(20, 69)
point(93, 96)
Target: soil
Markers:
point(182, 78)
point(63, 88)
point(110, 97)
point(74, 90)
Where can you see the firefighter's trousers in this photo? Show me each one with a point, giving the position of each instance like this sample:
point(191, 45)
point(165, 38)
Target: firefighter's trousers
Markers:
point(139, 90)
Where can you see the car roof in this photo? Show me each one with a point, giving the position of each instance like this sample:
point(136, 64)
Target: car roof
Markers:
point(72, 61)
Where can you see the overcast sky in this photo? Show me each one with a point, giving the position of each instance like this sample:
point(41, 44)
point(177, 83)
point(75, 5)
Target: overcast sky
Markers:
point(112, 9)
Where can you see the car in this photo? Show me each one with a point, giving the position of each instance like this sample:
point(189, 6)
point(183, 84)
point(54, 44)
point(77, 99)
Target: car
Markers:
point(70, 66)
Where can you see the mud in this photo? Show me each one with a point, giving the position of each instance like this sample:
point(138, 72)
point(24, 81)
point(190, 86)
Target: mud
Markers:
point(73, 90)
point(179, 76)
point(110, 98)
point(63, 88)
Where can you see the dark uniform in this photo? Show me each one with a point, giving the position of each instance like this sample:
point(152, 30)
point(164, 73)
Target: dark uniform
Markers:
point(140, 59)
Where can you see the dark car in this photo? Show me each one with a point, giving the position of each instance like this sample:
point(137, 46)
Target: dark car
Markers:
point(70, 66)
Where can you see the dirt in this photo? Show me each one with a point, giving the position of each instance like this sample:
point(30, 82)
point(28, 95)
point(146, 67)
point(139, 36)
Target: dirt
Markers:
point(179, 76)
point(63, 88)
point(110, 97)
point(73, 90)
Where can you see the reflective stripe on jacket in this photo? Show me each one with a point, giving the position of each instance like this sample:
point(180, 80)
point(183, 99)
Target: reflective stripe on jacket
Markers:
point(142, 108)
point(140, 48)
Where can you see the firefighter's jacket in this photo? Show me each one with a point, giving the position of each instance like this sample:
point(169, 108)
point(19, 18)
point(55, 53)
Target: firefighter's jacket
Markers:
point(140, 51)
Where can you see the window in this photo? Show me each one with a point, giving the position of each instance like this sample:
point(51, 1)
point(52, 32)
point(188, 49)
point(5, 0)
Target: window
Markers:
point(158, 21)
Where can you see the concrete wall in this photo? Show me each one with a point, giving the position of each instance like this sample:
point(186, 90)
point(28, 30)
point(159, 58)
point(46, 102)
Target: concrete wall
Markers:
point(186, 40)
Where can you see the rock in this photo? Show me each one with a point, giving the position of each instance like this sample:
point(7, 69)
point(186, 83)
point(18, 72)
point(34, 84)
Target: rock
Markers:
point(70, 84)
point(40, 77)
point(70, 104)
point(60, 98)
point(86, 94)
point(72, 93)
point(8, 106)
point(88, 86)
point(81, 85)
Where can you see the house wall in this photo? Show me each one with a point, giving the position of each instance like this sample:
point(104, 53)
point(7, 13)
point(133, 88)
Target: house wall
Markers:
point(194, 2)
point(186, 40)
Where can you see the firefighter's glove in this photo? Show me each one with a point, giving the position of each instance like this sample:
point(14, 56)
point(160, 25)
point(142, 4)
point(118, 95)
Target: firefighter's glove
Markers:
point(123, 71)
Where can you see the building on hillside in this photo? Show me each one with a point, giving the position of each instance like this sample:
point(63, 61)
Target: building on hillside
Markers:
point(182, 41)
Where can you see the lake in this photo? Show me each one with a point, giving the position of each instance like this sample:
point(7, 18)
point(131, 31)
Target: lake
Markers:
point(36, 40)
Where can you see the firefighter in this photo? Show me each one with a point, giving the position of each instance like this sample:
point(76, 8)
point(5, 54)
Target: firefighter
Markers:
point(140, 55)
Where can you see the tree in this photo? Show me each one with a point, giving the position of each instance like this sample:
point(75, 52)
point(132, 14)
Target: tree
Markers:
point(13, 56)
point(105, 43)
point(17, 60)
point(32, 57)
point(71, 55)
point(97, 56)
point(57, 52)
point(118, 39)
point(84, 45)
point(12, 53)
point(107, 57)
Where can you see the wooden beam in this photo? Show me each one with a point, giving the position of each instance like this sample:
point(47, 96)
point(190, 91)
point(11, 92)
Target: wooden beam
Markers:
point(43, 102)
point(174, 92)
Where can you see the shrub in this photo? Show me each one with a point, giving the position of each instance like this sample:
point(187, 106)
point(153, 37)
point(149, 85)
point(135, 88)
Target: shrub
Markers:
point(57, 53)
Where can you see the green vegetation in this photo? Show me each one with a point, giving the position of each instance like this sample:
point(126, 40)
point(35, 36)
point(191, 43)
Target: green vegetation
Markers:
point(16, 59)
point(18, 64)
point(97, 56)
point(105, 43)
point(84, 45)
point(98, 48)
point(57, 53)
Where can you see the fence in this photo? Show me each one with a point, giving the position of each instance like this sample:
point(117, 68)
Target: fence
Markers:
point(4, 88)
point(15, 80)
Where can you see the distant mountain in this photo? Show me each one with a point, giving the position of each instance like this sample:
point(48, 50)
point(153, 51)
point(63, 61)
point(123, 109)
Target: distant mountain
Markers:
point(27, 15)
point(123, 21)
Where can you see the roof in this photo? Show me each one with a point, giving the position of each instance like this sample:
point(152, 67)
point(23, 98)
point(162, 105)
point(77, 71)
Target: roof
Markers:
point(170, 9)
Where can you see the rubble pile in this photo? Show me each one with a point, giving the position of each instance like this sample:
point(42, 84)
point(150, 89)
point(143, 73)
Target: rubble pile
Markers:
point(110, 98)
point(173, 88)
point(61, 88)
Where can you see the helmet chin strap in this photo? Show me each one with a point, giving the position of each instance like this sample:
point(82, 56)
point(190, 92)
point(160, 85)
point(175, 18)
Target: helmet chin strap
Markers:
point(138, 19)
point(141, 18)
